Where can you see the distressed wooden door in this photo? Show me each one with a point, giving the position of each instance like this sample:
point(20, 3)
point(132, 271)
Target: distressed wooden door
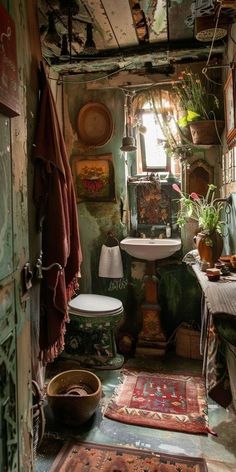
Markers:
point(15, 357)
point(16, 224)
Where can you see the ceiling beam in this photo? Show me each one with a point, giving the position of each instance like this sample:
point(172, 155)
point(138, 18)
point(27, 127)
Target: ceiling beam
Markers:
point(188, 48)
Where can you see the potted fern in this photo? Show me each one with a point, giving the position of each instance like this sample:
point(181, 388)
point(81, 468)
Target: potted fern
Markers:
point(201, 108)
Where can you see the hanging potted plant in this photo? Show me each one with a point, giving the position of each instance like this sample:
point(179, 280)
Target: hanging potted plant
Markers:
point(207, 211)
point(201, 110)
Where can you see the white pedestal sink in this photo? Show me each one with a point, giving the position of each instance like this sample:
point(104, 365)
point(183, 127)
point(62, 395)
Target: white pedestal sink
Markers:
point(151, 339)
point(150, 249)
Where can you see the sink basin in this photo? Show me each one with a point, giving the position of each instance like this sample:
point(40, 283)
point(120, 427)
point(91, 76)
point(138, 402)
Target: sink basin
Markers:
point(150, 249)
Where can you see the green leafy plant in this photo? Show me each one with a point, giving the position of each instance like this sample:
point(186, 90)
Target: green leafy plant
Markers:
point(196, 100)
point(205, 210)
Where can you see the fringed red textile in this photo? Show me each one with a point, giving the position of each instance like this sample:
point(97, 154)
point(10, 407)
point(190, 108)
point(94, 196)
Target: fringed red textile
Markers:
point(55, 201)
point(169, 401)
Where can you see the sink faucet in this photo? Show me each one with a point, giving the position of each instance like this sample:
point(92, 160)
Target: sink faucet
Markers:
point(152, 232)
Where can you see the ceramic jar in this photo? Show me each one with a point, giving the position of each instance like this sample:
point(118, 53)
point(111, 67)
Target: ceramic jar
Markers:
point(210, 247)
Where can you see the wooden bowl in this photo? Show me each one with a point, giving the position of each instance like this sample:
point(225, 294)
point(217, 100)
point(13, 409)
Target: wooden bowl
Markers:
point(74, 395)
point(233, 261)
point(213, 277)
point(226, 260)
point(213, 274)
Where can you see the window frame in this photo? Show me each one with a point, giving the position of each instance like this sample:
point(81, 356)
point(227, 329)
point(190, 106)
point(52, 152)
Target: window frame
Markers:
point(142, 157)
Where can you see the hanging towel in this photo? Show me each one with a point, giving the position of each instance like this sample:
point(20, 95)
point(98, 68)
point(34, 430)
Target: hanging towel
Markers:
point(55, 202)
point(110, 263)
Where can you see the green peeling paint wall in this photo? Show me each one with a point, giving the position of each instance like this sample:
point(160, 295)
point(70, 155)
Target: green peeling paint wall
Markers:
point(96, 218)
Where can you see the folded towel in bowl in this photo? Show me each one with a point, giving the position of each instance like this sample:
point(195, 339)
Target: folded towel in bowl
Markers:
point(110, 263)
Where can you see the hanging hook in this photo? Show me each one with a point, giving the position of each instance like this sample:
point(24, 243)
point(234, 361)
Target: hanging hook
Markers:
point(39, 266)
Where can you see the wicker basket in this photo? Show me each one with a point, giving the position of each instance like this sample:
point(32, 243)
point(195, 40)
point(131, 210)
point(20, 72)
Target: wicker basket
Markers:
point(205, 28)
point(188, 343)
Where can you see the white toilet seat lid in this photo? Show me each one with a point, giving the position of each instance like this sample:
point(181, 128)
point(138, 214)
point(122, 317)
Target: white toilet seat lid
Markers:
point(90, 303)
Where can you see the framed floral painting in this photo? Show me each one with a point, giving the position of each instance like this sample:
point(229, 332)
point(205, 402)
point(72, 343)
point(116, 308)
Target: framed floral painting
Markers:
point(230, 107)
point(94, 178)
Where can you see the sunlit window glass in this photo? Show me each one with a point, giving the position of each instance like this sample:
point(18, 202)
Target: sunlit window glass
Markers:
point(155, 153)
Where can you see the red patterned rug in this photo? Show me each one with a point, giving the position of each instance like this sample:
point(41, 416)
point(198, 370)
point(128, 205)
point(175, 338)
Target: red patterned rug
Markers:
point(81, 457)
point(165, 401)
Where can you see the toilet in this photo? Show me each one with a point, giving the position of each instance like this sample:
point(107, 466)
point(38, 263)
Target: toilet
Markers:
point(90, 337)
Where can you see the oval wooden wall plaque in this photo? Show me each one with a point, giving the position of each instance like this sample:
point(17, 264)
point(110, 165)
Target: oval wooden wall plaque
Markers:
point(94, 124)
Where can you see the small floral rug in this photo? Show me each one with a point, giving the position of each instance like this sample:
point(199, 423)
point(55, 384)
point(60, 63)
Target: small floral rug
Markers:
point(87, 457)
point(164, 401)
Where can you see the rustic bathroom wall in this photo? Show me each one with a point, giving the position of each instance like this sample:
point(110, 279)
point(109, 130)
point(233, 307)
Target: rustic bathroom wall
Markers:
point(96, 218)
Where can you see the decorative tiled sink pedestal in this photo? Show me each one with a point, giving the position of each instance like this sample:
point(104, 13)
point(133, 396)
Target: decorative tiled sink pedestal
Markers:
point(151, 339)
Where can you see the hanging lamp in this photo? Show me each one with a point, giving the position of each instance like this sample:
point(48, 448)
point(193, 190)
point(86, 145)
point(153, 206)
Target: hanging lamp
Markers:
point(89, 45)
point(128, 141)
point(65, 54)
point(52, 36)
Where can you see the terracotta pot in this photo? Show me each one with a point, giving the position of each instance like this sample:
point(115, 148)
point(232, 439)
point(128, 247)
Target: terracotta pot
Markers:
point(74, 396)
point(204, 131)
point(210, 247)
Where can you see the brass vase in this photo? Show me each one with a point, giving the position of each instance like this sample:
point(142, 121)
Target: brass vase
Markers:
point(210, 246)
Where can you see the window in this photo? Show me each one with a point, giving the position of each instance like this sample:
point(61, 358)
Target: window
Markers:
point(153, 153)
point(156, 132)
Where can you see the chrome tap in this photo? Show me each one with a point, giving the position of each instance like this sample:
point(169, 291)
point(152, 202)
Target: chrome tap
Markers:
point(153, 232)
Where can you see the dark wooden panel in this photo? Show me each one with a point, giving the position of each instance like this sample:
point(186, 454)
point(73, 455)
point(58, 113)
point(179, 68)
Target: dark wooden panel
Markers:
point(6, 265)
point(9, 102)
point(178, 12)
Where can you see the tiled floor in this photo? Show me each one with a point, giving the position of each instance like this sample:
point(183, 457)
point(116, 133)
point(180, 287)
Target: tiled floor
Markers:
point(219, 451)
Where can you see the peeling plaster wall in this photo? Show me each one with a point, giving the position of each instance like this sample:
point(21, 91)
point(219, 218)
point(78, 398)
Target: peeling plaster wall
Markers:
point(95, 218)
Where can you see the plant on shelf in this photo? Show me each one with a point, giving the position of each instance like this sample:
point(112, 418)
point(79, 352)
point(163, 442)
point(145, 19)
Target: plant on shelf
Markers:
point(195, 99)
point(201, 108)
point(207, 211)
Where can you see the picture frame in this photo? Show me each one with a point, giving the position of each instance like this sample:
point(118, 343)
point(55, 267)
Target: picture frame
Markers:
point(230, 107)
point(9, 86)
point(94, 178)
